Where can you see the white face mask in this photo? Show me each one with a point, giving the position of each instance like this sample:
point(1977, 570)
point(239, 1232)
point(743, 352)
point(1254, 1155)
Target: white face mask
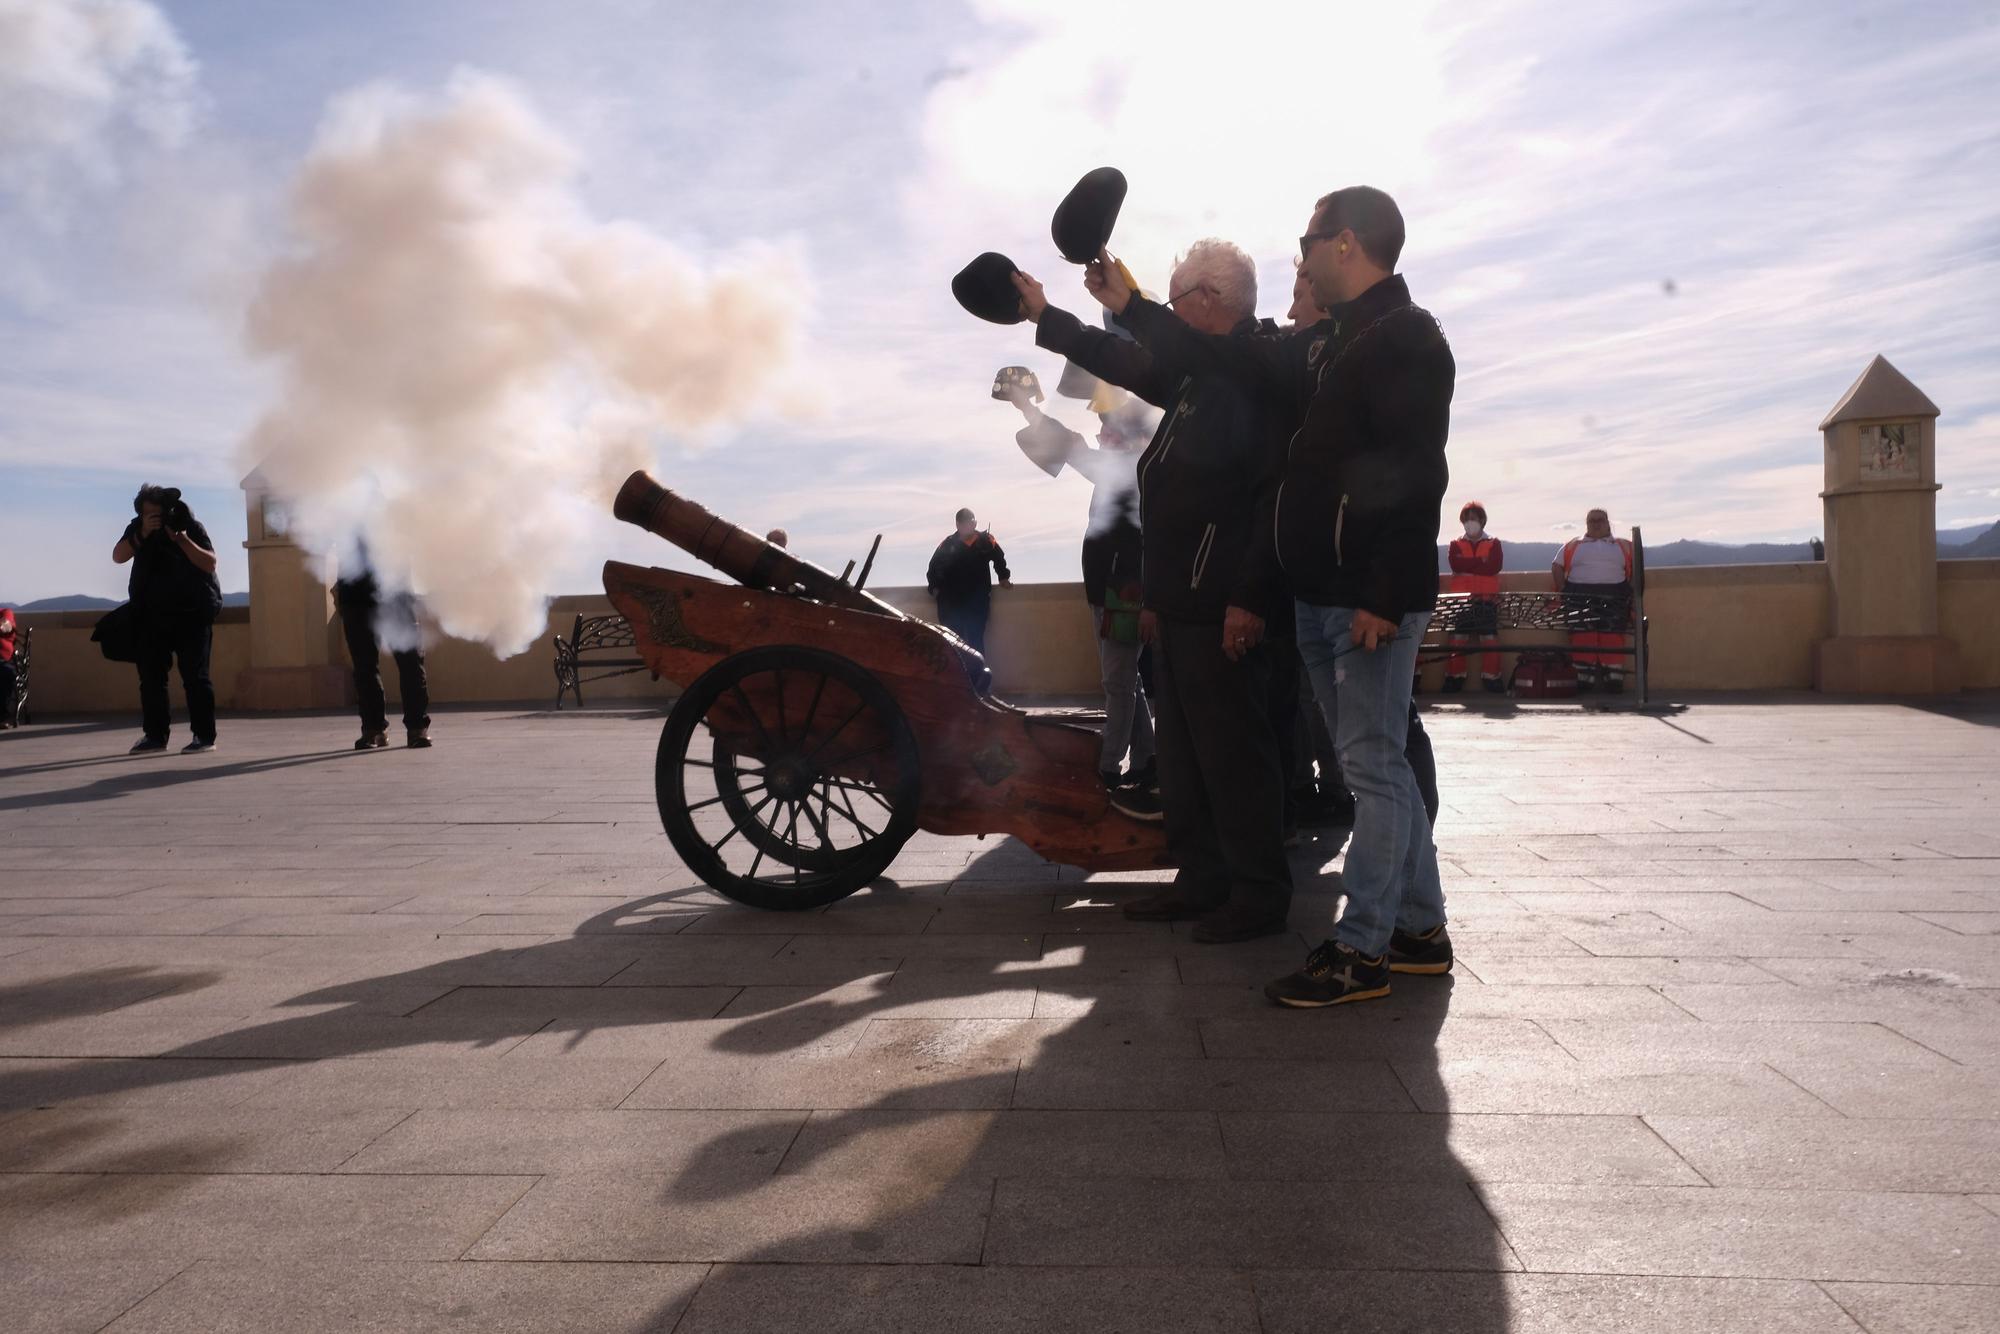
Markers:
point(1473, 529)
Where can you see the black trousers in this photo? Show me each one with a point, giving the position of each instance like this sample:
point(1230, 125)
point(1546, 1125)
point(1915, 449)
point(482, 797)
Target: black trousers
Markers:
point(967, 620)
point(1221, 788)
point(1417, 750)
point(358, 622)
point(1283, 698)
point(161, 645)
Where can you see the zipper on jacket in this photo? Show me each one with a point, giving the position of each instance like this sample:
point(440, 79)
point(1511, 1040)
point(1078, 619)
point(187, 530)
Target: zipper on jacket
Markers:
point(1339, 522)
point(1201, 551)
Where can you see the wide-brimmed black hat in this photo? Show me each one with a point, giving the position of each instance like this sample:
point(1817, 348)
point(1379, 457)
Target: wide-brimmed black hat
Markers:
point(1083, 221)
point(986, 288)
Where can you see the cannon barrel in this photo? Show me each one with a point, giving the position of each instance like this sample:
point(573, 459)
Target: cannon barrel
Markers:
point(737, 552)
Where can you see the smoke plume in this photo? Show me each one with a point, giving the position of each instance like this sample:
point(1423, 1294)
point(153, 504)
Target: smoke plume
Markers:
point(74, 76)
point(470, 363)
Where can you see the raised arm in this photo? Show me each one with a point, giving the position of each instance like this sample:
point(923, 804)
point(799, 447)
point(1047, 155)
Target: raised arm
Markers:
point(1261, 363)
point(1107, 356)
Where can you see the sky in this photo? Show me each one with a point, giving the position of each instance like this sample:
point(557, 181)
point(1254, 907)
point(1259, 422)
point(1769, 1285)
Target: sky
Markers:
point(1663, 238)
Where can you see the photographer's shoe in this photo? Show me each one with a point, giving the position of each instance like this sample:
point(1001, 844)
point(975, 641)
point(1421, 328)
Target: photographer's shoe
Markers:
point(198, 747)
point(1174, 904)
point(1427, 954)
point(419, 738)
point(1138, 803)
point(148, 745)
point(372, 741)
point(1334, 975)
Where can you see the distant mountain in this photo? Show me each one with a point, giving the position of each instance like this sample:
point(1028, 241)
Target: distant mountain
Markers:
point(69, 602)
point(1958, 537)
point(1987, 544)
point(85, 602)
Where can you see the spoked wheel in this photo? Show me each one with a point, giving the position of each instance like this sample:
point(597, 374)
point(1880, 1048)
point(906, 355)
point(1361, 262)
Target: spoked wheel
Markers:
point(787, 778)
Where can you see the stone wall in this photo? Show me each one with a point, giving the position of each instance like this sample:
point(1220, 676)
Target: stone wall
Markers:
point(1723, 627)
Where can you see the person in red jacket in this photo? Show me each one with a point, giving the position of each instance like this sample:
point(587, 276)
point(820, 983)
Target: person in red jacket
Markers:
point(8, 679)
point(1475, 569)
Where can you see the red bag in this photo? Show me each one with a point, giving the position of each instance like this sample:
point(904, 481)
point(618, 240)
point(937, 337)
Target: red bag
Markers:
point(1543, 674)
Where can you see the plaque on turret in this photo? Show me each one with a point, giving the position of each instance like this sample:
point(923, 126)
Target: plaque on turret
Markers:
point(1891, 452)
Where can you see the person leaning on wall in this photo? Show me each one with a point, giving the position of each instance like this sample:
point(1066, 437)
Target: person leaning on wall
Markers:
point(174, 599)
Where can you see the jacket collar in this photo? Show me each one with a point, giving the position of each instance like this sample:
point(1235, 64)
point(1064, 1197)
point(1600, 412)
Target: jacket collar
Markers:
point(1384, 296)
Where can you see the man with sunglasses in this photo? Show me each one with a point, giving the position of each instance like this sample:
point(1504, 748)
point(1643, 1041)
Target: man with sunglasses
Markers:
point(1355, 526)
point(1204, 483)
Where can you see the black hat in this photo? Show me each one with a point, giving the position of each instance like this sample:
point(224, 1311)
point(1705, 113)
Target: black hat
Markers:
point(1083, 221)
point(986, 288)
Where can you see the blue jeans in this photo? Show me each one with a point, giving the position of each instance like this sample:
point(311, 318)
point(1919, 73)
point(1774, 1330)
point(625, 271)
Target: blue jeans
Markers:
point(1391, 874)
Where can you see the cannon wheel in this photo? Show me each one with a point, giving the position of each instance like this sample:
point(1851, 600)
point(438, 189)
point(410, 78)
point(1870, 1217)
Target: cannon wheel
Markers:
point(796, 834)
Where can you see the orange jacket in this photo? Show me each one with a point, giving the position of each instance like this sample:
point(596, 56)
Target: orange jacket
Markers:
point(1475, 565)
point(1569, 554)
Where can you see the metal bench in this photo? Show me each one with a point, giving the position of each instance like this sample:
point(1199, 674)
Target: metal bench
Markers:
point(593, 635)
point(1545, 614)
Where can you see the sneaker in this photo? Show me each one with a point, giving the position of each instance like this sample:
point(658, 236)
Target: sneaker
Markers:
point(419, 739)
point(148, 745)
point(198, 747)
point(372, 741)
point(1242, 917)
point(1494, 685)
point(1136, 802)
point(1614, 685)
point(1111, 778)
point(1178, 903)
point(1428, 954)
point(1334, 974)
point(1454, 685)
point(1146, 775)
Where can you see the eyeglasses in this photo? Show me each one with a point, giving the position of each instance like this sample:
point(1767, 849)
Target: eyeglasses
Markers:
point(1183, 295)
point(1306, 241)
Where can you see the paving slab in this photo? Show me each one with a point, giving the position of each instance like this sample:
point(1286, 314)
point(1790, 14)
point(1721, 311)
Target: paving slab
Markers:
point(1737, 1233)
point(224, 1297)
point(1916, 1308)
point(1429, 1303)
point(1399, 1147)
point(640, 1216)
point(922, 1299)
point(1816, 1153)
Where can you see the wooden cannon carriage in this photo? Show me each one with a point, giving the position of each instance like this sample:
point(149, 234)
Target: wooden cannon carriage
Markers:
point(819, 727)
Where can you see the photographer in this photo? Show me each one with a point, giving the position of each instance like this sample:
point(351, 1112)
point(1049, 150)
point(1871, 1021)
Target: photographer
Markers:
point(174, 597)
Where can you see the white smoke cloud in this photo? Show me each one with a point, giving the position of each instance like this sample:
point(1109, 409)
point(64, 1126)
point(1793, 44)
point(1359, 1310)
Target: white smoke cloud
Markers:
point(76, 76)
point(471, 362)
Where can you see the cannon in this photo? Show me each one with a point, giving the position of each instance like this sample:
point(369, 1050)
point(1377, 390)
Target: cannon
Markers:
point(819, 727)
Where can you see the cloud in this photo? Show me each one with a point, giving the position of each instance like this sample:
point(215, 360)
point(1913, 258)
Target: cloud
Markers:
point(470, 362)
point(78, 80)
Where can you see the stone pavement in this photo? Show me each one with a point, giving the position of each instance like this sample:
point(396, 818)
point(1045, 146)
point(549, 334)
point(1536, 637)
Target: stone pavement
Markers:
point(293, 1038)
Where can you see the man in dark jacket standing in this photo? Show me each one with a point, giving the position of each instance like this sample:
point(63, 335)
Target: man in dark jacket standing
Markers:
point(1355, 526)
point(175, 598)
point(368, 620)
point(957, 579)
point(1201, 519)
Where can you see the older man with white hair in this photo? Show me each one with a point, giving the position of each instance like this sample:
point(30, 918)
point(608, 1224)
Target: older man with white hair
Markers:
point(1205, 485)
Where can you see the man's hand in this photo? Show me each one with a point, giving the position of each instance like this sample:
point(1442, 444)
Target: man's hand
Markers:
point(1006, 583)
point(1370, 631)
point(1033, 299)
point(1241, 631)
point(149, 524)
point(1102, 280)
point(1149, 627)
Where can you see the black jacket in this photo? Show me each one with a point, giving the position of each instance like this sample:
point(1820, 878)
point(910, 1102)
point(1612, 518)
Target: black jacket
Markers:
point(1204, 481)
point(1355, 519)
point(165, 587)
point(957, 575)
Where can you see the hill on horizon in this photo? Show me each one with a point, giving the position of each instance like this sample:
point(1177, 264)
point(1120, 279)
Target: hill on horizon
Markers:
point(86, 602)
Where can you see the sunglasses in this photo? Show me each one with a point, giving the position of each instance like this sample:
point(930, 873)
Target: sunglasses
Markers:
point(1306, 241)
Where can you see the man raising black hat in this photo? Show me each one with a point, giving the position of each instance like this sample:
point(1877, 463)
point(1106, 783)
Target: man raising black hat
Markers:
point(1201, 480)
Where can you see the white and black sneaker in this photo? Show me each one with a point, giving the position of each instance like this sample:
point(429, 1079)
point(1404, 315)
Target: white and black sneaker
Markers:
point(1334, 974)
